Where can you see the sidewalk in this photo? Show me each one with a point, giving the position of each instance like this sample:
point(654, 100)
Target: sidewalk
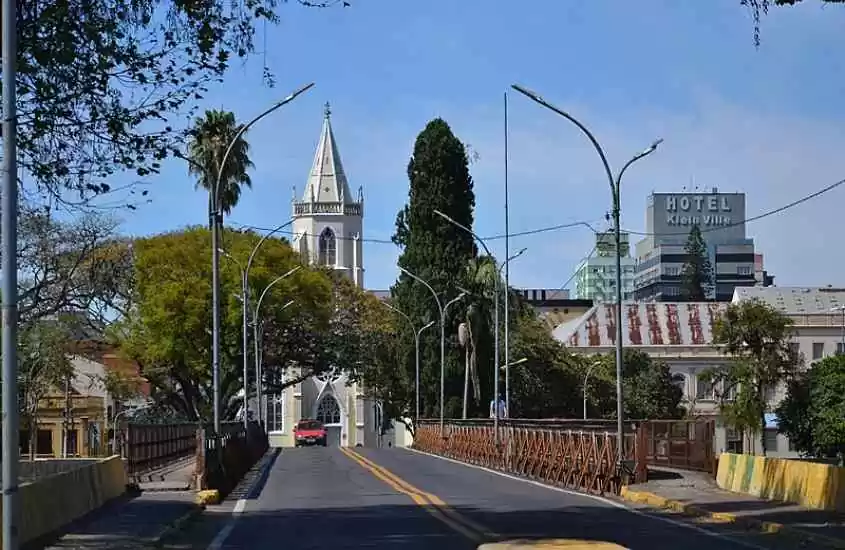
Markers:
point(697, 494)
point(129, 523)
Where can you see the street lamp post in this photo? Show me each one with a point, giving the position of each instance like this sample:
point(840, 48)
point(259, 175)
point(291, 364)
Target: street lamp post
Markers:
point(215, 214)
point(495, 318)
point(258, 374)
point(245, 329)
point(258, 389)
point(506, 367)
point(614, 188)
point(417, 334)
point(586, 377)
point(115, 447)
point(442, 311)
point(507, 328)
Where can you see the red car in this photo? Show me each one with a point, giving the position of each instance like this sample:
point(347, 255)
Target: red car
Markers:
point(309, 432)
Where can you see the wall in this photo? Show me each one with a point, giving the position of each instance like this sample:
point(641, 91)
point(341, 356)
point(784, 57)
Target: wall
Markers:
point(816, 486)
point(55, 501)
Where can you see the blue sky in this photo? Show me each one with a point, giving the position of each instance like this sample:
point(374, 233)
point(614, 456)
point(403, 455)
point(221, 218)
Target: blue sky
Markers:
point(767, 121)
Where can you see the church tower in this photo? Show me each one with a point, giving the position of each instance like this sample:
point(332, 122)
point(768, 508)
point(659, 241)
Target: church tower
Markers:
point(328, 220)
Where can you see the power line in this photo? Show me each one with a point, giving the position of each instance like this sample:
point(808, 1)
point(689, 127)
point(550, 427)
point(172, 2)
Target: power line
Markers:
point(386, 241)
point(584, 223)
point(746, 220)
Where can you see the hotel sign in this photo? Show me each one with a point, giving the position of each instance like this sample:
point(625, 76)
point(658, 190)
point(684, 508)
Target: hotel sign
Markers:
point(702, 210)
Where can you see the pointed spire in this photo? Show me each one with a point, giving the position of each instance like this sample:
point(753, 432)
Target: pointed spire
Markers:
point(327, 180)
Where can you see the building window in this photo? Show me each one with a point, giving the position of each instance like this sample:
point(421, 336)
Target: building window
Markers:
point(818, 350)
point(328, 248)
point(328, 412)
point(795, 349)
point(276, 412)
point(743, 270)
point(705, 390)
point(733, 439)
point(680, 381)
point(840, 348)
point(771, 440)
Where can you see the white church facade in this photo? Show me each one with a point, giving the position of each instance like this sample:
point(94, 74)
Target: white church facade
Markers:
point(327, 229)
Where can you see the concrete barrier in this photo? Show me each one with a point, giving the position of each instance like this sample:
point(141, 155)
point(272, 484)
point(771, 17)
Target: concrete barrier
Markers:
point(816, 486)
point(52, 502)
point(33, 470)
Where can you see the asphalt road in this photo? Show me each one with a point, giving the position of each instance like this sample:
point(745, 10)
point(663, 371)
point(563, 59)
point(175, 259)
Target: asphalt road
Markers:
point(394, 498)
point(320, 498)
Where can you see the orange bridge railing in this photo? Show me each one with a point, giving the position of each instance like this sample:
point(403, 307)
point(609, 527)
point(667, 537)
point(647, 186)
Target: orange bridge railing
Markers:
point(576, 454)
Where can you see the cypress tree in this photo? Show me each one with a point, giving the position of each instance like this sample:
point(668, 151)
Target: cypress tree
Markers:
point(697, 273)
point(438, 252)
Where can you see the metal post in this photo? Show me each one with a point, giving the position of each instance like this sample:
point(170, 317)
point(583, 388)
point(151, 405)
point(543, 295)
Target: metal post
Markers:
point(9, 288)
point(245, 296)
point(442, 311)
point(215, 312)
point(442, 371)
point(417, 378)
point(259, 393)
point(496, 356)
point(614, 187)
point(496, 293)
point(620, 437)
point(216, 215)
point(507, 274)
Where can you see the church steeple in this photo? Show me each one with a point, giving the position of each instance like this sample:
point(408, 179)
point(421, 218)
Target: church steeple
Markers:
point(327, 180)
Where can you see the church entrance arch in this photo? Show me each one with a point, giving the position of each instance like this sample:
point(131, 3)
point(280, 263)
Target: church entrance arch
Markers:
point(328, 412)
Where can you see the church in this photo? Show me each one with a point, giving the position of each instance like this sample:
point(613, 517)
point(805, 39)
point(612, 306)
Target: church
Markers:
point(327, 229)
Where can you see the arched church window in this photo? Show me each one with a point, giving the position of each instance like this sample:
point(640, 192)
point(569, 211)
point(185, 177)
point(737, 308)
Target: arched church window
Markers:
point(328, 411)
point(328, 247)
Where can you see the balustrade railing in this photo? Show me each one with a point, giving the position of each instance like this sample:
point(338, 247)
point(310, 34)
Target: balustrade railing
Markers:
point(570, 453)
point(577, 454)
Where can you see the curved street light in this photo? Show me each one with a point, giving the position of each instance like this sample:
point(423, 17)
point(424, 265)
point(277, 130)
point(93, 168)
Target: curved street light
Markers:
point(442, 309)
point(496, 292)
point(614, 189)
point(245, 343)
point(507, 331)
point(216, 216)
point(258, 374)
point(417, 334)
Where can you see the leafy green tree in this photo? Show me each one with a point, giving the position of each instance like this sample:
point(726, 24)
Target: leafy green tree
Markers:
point(436, 251)
point(813, 413)
point(547, 384)
point(648, 388)
point(481, 280)
point(697, 273)
point(146, 65)
point(168, 328)
point(757, 338)
point(210, 138)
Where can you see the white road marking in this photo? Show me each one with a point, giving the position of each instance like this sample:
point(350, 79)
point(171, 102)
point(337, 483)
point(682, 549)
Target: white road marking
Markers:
point(239, 508)
point(608, 501)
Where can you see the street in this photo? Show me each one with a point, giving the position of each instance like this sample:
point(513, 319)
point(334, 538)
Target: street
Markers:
point(386, 498)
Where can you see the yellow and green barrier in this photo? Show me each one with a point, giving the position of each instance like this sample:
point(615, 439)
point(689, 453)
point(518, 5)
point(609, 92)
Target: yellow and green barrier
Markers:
point(817, 486)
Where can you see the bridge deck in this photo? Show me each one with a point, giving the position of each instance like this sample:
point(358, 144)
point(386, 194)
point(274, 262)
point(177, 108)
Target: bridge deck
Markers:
point(388, 498)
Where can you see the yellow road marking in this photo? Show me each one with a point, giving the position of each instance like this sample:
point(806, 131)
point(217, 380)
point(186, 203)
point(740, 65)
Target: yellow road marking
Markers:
point(431, 503)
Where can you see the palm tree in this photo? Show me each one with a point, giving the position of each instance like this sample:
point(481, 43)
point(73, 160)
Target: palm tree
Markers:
point(210, 138)
point(481, 277)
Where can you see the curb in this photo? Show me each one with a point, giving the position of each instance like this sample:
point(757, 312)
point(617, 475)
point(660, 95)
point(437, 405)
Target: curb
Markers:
point(551, 544)
point(177, 524)
point(656, 501)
